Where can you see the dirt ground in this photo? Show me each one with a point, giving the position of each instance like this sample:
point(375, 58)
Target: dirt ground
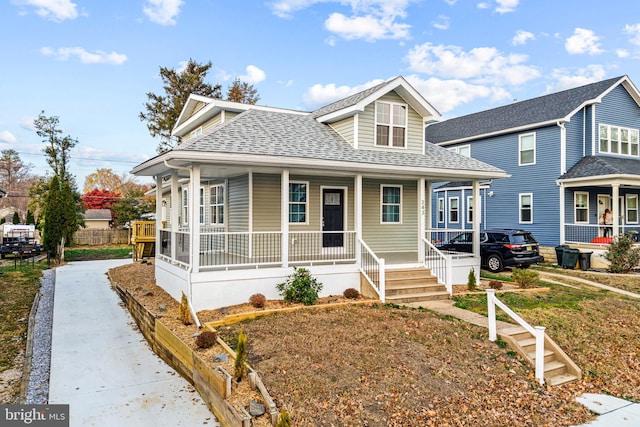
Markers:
point(374, 365)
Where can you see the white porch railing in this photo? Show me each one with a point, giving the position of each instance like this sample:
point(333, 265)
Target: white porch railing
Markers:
point(444, 235)
point(593, 233)
point(537, 332)
point(436, 261)
point(372, 268)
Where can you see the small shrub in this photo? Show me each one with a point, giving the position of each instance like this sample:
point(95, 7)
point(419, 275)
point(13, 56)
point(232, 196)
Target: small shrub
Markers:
point(206, 339)
point(300, 287)
point(183, 310)
point(622, 255)
point(240, 364)
point(495, 284)
point(283, 419)
point(525, 278)
point(257, 300)
point(471, 280)
point(351, 293)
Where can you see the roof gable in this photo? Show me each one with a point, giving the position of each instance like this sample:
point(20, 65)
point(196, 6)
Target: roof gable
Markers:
point(547, 109)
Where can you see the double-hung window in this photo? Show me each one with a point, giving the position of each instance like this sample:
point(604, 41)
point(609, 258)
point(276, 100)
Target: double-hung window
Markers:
point(632, 208)
point(454, 209)
point(298, 202)
point(469, 209)
point(618, 140)
point(441, 210)
point(391, 124)
point(391, 204)
point(527, 149)
point(581, 206)
point(216, 204)
point(185, 206)
point(526, 208)
point(202, 207)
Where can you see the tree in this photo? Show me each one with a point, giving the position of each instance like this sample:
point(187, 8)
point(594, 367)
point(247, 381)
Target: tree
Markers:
point(16, 217)
point(162, 112)
point(58, 148)
point(30, 218)
point(131, 207)
point(100, 199)
point(15, 178)
point(242, 92)
point(104, 179)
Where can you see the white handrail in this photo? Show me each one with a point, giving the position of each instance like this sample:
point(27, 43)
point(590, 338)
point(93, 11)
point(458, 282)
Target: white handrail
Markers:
point(537, 332)
point(380, 289)
point(445, 274)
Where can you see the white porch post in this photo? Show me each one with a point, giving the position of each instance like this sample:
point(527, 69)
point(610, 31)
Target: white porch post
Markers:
point(284, 217)
point(422, 218)
point(476, 225)
point(615, 205)
point(194, 217)
point(562, 215)
point(358, 216)
point(174, 213)
point(158, 214)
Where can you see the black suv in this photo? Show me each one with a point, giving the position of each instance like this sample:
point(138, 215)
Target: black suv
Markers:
point(499, 248)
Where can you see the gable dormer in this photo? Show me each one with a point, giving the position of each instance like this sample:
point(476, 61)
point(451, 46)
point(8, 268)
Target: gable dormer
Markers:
point(388, 116)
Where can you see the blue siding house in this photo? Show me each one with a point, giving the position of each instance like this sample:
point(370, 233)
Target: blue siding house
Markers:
point(571, 155)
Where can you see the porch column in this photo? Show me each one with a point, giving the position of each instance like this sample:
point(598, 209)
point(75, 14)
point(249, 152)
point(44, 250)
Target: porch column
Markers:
point(174, 213)
point(422, 217)
point(562, 214)
point(615, 205)
point(284, 217)
point(158, 213)
point(358, 216)
point(476, 218)
point(194, 217)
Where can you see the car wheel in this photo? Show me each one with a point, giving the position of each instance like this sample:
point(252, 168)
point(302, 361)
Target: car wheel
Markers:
point(494, 263)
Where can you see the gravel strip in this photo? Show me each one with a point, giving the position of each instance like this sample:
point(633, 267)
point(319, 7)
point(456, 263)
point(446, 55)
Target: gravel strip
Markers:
point(38, 390)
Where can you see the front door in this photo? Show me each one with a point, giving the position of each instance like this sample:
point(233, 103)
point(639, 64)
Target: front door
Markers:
point(332, 217)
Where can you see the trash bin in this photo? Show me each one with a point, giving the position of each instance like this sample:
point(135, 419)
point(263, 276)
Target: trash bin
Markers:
point(585, 261)
point(559, 252)
point(570, 258)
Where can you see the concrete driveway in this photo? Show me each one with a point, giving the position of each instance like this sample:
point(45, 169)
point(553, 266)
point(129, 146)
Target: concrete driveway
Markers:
point(101, 364)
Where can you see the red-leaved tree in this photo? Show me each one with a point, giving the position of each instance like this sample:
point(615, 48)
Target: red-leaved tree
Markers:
point(100, 199)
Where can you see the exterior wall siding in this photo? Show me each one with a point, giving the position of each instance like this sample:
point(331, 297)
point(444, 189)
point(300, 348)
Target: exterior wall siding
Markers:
point(345, 129)
point(618, 109)
point(212, 122)
point(238, 203)
point(266, 202)
point(576, 144)
point(381, 237)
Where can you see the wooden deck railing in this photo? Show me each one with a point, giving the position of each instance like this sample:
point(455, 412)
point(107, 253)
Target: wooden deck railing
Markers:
point(143, 231)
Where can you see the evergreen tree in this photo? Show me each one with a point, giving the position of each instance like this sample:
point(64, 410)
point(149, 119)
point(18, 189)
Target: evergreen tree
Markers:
point(52, 232)
point(16, 217)
point(30, 219)
point(242, 92)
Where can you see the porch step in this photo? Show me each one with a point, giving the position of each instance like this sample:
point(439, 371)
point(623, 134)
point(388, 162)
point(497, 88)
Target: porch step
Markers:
point(558, 367)
point(410, 285)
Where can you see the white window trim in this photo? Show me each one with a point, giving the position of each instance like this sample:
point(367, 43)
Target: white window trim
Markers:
point(306, 204)
point(202, 198)
point(457, 199)
point(382, 187)
point(619, 152)
point(185, 206)
point(195, 132)
point(213, 204)
point(391, 125)
point(520, 149)
point(627, 197)
point(457, 149)
point(575, 207)
point(441, 209)
point(520, 195)
point(469, 209)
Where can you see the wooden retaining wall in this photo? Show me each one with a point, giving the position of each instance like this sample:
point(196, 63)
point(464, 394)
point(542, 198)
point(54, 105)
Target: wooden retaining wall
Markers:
point(212, 382)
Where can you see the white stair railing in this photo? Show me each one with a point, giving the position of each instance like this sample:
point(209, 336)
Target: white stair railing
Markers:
point(537, 332)
point(439, 265)
point(373, 269)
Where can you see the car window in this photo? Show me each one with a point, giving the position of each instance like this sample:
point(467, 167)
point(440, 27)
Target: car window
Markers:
point(500, 238)
point(523, 238)
point(462, 238)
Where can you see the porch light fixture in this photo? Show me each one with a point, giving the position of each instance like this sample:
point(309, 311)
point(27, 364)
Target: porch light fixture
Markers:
point(490, 193)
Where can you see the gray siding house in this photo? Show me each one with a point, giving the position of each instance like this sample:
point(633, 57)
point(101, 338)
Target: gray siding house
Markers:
point(570, 154)
point(345, 191)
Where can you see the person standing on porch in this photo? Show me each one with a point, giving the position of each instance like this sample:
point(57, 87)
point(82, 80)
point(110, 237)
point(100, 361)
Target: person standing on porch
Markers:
point(607, 220)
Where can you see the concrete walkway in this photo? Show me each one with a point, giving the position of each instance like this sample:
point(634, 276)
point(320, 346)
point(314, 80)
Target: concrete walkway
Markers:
point(101, 364)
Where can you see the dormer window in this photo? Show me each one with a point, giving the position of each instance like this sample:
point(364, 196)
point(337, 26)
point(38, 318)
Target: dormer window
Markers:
point(391, 124)
point(195, 133)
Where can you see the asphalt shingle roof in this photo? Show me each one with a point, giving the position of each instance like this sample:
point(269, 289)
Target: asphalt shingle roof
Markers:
point(542, 109)
point(270, 133)
point(592, 166)
point(346, 102)
point(97, 215)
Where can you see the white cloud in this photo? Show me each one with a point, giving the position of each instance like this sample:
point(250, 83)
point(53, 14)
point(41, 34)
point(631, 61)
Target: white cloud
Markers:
point(505, 6)
point(285, 83)
point(369, 19)
point(567, 79)
point(319, 95)
point(622, 53)
point(450, 2)
point(27, 123)
point(99, 57)
point(634, 33)
point(54, 10)
point(442, 23)
point(483, 64)
point(163, 12)
point(7, 137)
point(583, 41)
point(522, 37)
point(253, 75)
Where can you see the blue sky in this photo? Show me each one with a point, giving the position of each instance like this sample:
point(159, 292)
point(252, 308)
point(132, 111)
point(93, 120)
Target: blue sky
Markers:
point(91, 63)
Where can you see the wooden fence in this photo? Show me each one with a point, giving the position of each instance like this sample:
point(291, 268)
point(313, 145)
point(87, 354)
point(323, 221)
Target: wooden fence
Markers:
point(101, 237)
